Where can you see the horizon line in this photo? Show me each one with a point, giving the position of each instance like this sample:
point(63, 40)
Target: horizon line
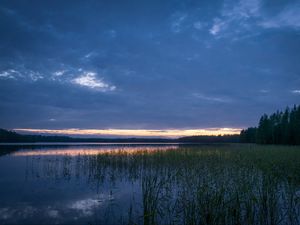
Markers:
point(170, 133)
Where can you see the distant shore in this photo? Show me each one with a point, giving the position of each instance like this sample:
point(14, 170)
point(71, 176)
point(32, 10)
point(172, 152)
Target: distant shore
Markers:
point(13, 137)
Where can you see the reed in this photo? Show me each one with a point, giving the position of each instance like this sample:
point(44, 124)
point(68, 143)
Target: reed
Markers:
point(215, 184)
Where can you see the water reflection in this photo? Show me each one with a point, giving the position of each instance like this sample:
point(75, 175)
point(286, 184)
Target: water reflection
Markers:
point(92, 151)
point(144, 185)
point(71, 184)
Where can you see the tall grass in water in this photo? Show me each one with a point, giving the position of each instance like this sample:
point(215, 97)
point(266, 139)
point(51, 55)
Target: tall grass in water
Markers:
point(216, 184)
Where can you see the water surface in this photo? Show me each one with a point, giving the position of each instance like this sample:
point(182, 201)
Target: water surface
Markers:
point(149, 184)
point(64, 183)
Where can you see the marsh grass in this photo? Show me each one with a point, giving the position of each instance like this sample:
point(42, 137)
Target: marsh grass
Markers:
point(215, 184)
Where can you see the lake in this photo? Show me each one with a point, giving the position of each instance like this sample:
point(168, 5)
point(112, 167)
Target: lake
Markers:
point(149, 184)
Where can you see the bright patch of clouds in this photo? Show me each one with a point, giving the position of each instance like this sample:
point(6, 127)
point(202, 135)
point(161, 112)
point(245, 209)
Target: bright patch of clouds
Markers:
point(296, 92)
point(217, 26)
point(26, 74)
point(90, 80)
point(10, 74)
point(86, 79)
point(59, 73)
point(34, 75)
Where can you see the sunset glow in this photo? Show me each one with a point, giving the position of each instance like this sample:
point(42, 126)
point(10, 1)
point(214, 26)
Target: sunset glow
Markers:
point(135, 133)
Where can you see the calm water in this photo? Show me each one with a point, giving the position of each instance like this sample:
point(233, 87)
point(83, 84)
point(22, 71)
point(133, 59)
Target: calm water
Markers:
point(149, 184)
point(66, 184)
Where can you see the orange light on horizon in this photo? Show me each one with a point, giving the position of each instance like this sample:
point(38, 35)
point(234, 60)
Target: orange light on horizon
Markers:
point(88, 151)
point(171, 133)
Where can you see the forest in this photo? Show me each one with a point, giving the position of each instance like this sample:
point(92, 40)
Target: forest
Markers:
point(281, 127)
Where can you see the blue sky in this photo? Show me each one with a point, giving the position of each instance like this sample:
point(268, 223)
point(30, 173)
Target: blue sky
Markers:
point(147, 64)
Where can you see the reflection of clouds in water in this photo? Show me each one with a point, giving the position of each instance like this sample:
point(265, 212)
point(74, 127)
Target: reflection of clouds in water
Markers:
point(6, 213)
point(10, 213)
point(52, 213)
point(86, 206)
point(25, 212)
point(28, 211)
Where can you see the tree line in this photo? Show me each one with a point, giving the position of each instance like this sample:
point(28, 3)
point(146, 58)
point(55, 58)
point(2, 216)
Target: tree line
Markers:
point(11, 136)
point(210, 139)
point(282, 127)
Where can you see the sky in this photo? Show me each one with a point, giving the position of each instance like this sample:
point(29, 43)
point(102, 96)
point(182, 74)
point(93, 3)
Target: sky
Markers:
point(155, 66)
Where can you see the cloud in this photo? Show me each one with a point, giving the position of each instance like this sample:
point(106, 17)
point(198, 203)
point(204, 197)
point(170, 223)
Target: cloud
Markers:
point(59, 73)
point(90, 80)
point(26, 74)
point(264, 91)
point(63, 76)
point(198, 25)
point(198, 43)
point(288, 17)
point(244, 9)
point(89, 56)
point(296, 92)
point(248, 15)
point(9, 74)
point(212, 98)
point(235, 15)
point(34, 75)
point(176, 25)
point(217, 26)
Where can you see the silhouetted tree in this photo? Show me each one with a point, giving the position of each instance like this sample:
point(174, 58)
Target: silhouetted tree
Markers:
point(248, 135)
point(278, 128)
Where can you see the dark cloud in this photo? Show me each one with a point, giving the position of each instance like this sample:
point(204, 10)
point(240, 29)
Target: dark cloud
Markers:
point(146, 64)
